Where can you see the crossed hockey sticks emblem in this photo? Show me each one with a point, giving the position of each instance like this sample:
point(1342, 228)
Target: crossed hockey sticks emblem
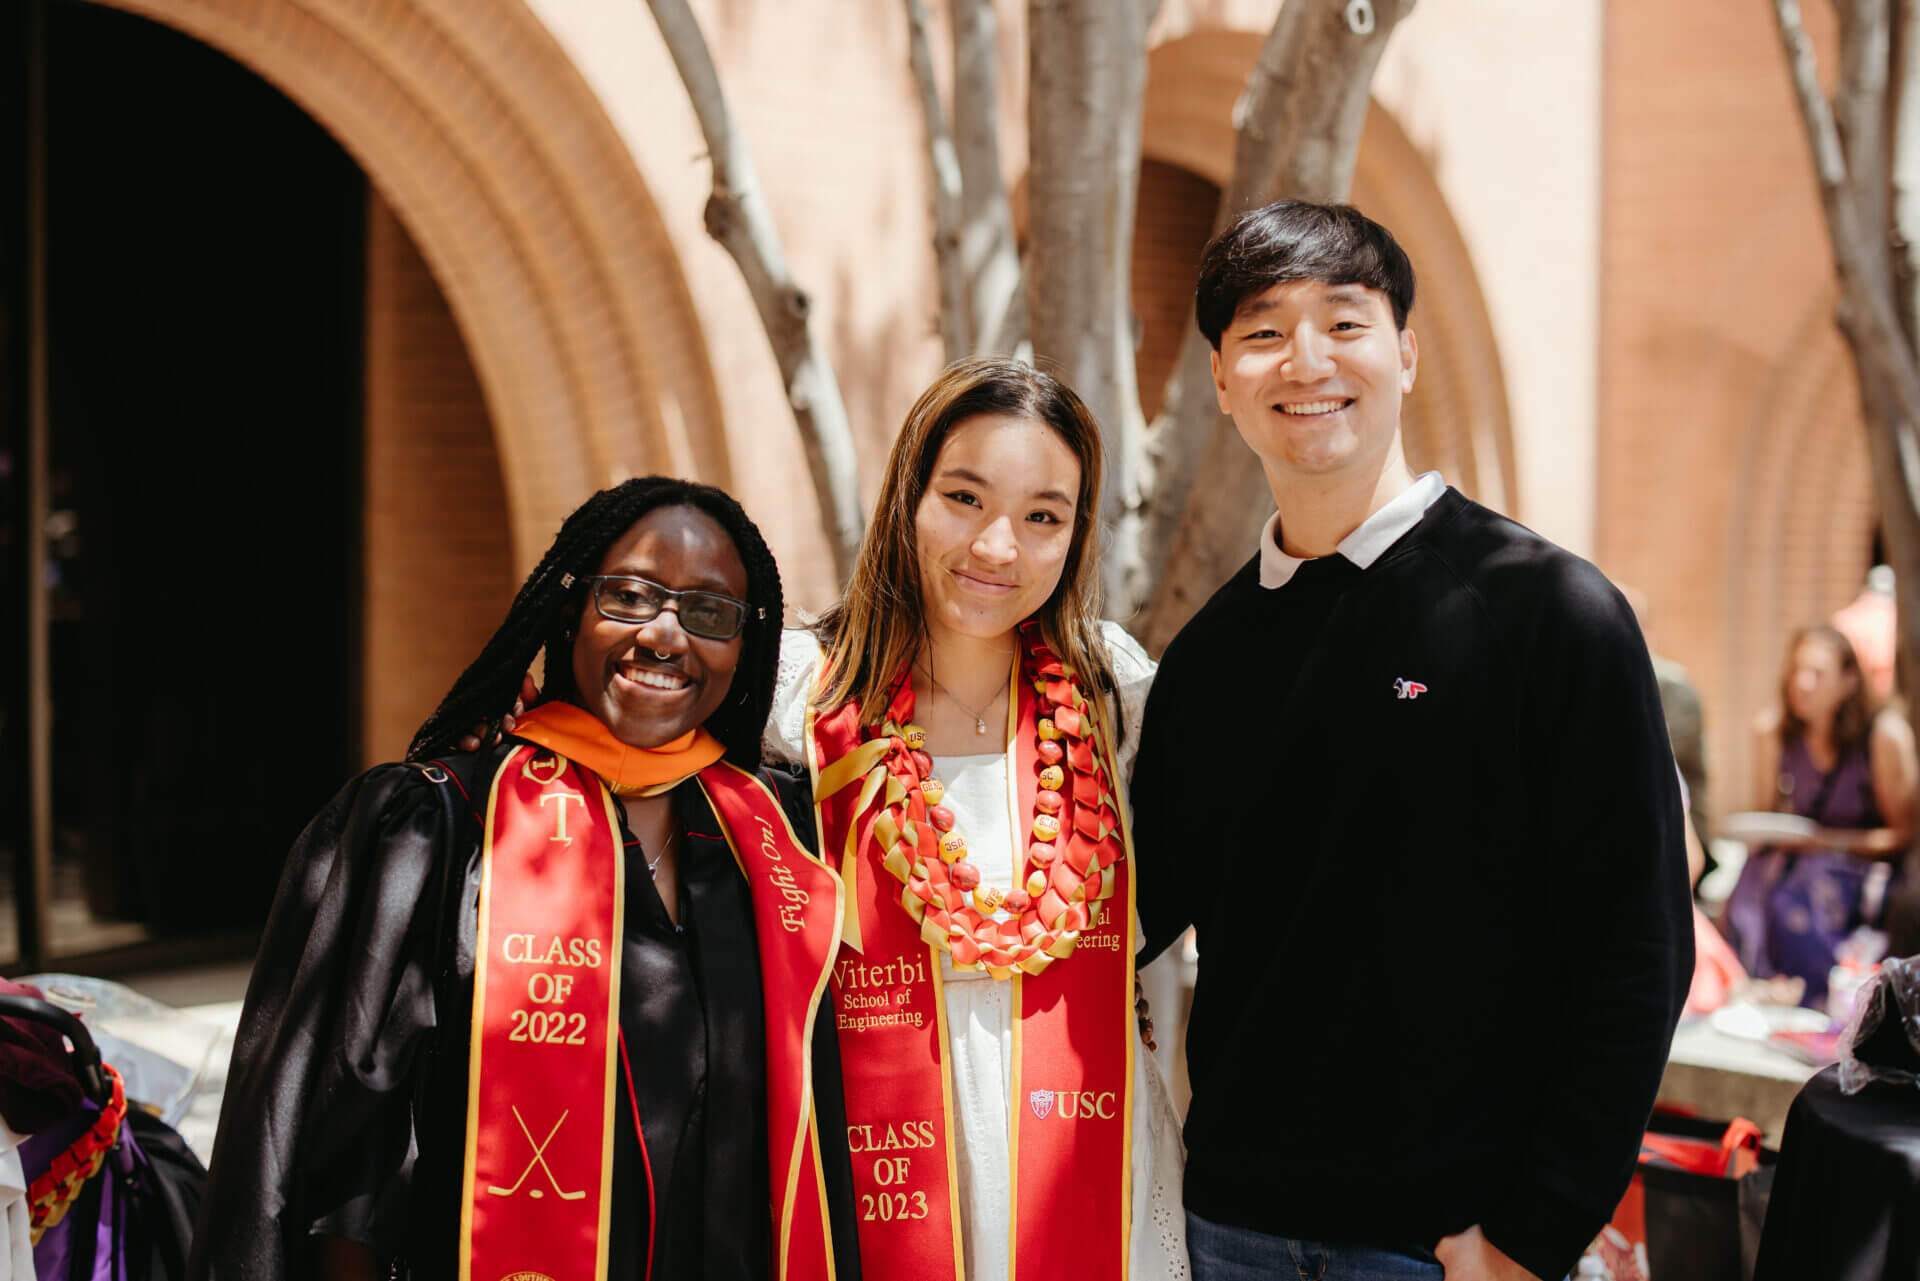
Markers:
point(540, 1159)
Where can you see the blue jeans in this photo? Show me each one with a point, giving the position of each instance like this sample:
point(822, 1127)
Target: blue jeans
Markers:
point(1223, 1253)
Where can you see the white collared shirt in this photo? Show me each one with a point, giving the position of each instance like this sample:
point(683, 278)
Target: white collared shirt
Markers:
point(1365, 544)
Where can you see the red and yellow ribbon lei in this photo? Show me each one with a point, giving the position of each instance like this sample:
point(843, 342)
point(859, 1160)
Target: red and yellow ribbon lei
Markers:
point(1068, 875)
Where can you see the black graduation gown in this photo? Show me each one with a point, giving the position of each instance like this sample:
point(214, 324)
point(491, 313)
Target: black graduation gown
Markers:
point(345, 1105)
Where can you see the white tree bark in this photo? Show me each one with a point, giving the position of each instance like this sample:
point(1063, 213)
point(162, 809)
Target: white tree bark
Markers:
point(956, 325)
point(738, 217)
point(989, 255)
point(1860, 102)
point(1298, 123)
point(1904, 165)
point(1087, 80)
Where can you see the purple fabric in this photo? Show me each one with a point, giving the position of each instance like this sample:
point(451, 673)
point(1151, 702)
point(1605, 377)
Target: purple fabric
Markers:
point(53, 1255)
point(1792, 908)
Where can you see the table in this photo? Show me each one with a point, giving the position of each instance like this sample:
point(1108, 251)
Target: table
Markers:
point(1712, 1075)
point(1846, 1193)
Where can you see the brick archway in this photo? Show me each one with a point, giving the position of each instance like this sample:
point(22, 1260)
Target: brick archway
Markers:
point(530, 211)
point(1457, 418)
point(1800, 534)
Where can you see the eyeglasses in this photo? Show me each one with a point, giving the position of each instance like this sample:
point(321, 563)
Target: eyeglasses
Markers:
point(625, 599)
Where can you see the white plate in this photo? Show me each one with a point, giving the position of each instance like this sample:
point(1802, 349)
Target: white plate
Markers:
point(1757, 827)
point(1758, 1022)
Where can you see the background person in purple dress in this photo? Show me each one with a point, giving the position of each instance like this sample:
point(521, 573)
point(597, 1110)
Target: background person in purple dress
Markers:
point(1824, 753)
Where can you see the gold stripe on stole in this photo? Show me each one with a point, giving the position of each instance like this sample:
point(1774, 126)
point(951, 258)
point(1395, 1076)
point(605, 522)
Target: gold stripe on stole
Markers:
point(616, 945)
point(1015, 1081)
point(819, 1177)
point(946, 1109)
point(849, 909)
point(473, 1035)
point(517, 759)
point(1123, 803)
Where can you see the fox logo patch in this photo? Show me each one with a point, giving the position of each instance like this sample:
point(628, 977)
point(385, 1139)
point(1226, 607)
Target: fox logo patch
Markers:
point(1404, 688)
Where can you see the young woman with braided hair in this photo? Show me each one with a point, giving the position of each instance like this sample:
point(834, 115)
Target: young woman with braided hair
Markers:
point(543, 1008)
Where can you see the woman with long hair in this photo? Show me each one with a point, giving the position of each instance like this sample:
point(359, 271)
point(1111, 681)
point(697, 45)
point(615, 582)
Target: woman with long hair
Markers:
point(969, 724)
point(1825, 753)
point(541, 1008)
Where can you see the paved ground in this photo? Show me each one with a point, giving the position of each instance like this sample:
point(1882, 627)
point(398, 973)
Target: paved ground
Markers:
point(209, 996)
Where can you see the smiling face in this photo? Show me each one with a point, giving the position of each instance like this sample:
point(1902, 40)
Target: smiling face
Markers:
point(1312, 374)
point(993, 530)
point(652, 682)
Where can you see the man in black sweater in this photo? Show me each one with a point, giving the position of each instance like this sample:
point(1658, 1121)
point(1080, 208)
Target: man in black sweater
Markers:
point(1407, 774)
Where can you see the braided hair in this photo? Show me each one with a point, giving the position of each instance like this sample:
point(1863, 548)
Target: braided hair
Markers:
point(544, 614)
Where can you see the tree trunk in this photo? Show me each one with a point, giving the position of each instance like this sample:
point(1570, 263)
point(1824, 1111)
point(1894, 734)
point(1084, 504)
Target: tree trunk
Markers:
point(1087, 80)
point(737, 216)
point(1299, 122)
point(1904, 166)
point(989, 256)
point(956, 326)
point(1888, 374)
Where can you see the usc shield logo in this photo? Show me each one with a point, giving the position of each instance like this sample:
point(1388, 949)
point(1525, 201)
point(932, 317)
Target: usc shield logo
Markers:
point(1041, 1102)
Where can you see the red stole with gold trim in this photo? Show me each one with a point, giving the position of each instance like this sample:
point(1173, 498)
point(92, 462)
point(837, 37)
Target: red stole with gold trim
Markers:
point(546, 1016)
point(540, 1101)
point(1070, 1130)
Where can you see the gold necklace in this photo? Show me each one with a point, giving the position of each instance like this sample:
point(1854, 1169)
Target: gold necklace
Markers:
point(979, 718)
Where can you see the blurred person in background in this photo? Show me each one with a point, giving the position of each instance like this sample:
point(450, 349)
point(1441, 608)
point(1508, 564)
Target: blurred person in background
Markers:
point(1870, 622)
point(1826, 753)
point(1686, 725)
point(1718, 977)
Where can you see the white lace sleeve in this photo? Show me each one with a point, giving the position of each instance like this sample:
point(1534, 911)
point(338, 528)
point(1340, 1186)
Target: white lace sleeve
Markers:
point(792, 683)
point(1133, 674)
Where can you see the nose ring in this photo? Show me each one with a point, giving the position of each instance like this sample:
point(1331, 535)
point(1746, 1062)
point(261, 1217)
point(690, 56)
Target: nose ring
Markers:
point(661, 656)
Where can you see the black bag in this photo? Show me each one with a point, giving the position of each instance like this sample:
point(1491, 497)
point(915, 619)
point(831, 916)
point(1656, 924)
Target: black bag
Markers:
point(1698, 1183)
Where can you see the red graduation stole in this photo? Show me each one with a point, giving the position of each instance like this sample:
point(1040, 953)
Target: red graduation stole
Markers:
point(1072, 1086)
point(544, 1062)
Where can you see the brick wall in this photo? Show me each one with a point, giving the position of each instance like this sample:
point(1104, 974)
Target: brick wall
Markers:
point(1173, 220)
point(437, 555)
point(1731, 475)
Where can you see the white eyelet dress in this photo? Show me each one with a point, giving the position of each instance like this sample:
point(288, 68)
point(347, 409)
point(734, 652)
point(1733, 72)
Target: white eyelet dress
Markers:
point(980, 1010)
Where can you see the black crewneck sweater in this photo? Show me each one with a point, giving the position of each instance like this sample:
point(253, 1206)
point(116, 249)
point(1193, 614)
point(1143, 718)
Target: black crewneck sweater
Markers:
point(1424, 816)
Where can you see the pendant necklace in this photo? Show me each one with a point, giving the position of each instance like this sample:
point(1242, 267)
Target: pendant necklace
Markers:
point(654, 862)
point(979, 718)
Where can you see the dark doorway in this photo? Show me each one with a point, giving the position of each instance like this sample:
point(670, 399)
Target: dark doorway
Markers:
point(200, 326)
